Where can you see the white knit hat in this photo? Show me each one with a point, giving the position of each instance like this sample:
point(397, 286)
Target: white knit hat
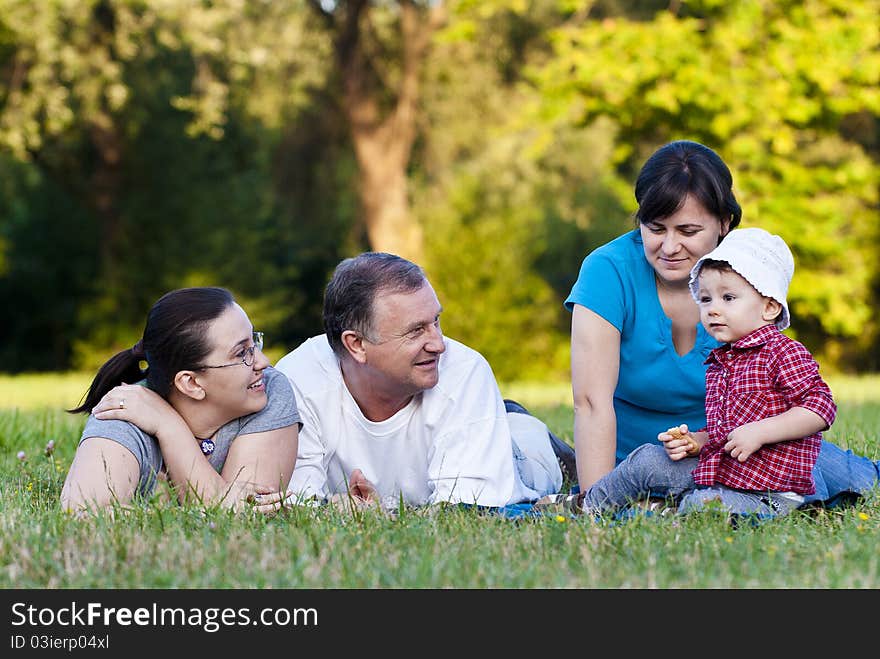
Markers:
point(761, 258)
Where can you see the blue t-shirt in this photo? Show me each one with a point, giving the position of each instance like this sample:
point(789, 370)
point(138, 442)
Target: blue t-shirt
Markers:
point(656, 388)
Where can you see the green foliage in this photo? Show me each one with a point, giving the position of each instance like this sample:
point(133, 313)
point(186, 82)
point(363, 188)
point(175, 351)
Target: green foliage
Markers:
point(507, 223)
point(150, 145)
point(144, 140)
point(493, 307)
point(48, 267)
point(770, 85)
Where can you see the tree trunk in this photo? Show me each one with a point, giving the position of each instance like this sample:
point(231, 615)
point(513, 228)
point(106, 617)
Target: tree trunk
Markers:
point(383, 140)
point(382, 157)
point(104, 194)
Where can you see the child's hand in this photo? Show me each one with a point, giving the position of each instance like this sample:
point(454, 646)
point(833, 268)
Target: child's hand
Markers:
point(679, 443)
point(743, 441)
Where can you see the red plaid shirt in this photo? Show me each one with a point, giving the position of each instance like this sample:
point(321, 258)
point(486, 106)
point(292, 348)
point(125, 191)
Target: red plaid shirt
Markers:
point(763, 374)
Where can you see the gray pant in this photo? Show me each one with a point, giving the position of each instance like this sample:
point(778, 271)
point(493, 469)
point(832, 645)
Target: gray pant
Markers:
point(648, 471)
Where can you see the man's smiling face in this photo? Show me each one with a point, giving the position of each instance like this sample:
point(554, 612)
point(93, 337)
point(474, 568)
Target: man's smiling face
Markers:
point(404, 347)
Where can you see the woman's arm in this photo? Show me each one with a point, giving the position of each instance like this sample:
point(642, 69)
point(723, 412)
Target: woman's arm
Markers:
point(103, 472)
point(261, 461)
point(595, 365)
point(265, 459)
point(188, 469)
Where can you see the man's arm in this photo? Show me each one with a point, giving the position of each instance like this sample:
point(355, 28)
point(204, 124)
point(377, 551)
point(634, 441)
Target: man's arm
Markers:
point(471, 460)
point(309, 475)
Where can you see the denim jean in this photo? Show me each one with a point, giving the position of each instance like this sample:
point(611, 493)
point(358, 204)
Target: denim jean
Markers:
point(648, 471)
point(839, 473)
point(740, 502)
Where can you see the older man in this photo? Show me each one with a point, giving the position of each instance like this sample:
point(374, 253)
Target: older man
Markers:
point(394, 411)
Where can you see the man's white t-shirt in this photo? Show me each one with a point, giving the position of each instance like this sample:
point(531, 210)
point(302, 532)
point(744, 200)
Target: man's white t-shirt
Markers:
point(450, 443)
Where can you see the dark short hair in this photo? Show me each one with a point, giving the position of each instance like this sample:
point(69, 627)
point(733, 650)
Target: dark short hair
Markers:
point(683, 168)
point(715, 264)
point(356, 282)
point(174, 340)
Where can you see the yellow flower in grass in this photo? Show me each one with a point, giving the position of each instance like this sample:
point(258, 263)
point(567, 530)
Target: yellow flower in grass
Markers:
point(728, 539)
point(560, 518)
point(863, 517)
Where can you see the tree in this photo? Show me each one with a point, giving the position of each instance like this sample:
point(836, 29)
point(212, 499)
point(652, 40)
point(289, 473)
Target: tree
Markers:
point(63, 69)
point(508, 223)
point(379, 53)
point(771, 86)
point(152, 128)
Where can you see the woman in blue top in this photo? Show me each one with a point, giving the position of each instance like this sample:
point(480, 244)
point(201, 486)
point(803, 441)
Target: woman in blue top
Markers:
point(637, 344)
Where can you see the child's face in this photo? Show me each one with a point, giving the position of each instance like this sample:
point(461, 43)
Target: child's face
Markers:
point(730, 307)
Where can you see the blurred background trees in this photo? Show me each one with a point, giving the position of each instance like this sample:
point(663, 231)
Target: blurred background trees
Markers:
point(152, 144)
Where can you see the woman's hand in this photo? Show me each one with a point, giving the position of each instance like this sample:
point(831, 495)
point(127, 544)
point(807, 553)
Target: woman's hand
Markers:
point(267, 501)
point(136, 404)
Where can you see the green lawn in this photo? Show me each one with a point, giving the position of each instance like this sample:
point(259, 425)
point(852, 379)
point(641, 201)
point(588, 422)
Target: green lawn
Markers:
point(170, 546)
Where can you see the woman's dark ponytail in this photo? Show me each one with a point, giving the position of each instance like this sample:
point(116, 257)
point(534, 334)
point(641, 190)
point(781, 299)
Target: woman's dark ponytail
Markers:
point(122, 367)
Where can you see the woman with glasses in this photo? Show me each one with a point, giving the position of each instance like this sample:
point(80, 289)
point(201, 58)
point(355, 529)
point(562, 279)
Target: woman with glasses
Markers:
point(207, 413)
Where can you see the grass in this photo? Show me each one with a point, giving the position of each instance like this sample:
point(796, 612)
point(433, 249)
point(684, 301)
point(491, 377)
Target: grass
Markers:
point(168, 546)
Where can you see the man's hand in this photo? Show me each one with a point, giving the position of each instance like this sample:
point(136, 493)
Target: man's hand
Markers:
point(361, 489)
point(138, 405)
point(361, 493)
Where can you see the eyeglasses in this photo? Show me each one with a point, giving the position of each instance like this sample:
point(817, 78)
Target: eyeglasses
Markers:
point(249, 355)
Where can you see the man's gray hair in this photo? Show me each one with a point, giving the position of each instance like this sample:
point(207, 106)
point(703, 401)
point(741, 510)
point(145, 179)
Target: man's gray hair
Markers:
point(356, 282)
